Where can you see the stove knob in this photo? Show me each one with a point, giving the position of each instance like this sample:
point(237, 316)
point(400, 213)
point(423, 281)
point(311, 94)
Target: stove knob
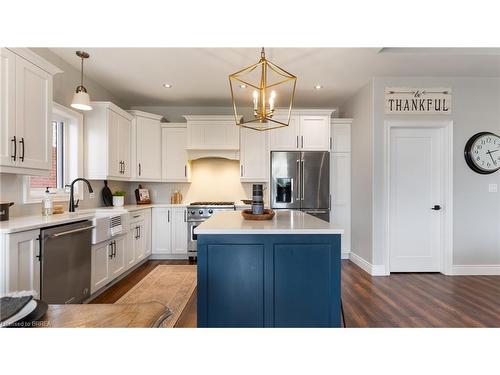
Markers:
point(200, 212)
point(192, 212)
point(210, 211)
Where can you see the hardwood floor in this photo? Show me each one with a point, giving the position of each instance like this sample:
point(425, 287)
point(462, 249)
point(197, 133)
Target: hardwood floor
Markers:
point(399, 300)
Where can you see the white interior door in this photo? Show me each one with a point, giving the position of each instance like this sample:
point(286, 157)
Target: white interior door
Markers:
point(415, 228)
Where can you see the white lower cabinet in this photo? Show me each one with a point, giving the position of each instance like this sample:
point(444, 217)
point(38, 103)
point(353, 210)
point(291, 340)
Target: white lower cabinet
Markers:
point(100, 266)
point(112, 258)
point(169, 232)
point(20, 262)
point(179, 231)
point(117, 259)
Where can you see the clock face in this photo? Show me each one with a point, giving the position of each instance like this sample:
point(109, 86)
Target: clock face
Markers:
point(482, 153)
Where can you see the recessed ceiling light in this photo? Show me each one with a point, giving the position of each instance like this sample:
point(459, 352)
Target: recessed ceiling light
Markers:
point(318, 87)
point(243, 86)
point(167, 85)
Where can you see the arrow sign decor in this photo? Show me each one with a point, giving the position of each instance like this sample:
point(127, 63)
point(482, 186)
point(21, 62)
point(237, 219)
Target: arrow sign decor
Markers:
point(401, 100)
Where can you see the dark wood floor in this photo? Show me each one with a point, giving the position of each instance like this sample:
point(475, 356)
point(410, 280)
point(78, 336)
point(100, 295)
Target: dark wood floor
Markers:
point(399, 300)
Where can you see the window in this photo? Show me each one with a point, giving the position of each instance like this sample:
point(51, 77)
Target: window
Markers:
point(67, 154)
point(55, 181)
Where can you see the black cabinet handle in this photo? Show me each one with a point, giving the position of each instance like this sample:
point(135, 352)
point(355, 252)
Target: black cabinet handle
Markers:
point(436, 207)
point(114, 247)
point(297, 141)
point(302, 141)
point(111, 250)
point(140, 232)
point(22, 155)
point(185, 171)
point(241, 170)
point(168, 216)
point(15, 148)
point(139, 169)
point(123, 167)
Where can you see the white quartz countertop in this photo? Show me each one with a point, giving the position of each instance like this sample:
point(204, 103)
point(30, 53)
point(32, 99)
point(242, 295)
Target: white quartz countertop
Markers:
point(284, 222)
point(23, 223)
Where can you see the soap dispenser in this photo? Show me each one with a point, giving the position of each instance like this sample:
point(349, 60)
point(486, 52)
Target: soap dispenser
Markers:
point(47, 203)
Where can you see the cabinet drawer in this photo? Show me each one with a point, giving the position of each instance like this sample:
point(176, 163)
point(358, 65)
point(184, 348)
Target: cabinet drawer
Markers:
point(137, 216)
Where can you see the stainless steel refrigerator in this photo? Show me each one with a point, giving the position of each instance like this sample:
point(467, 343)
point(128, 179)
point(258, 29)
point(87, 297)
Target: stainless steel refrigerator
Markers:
point(301, 180)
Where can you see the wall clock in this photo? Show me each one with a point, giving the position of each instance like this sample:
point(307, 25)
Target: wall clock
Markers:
point(482, 152)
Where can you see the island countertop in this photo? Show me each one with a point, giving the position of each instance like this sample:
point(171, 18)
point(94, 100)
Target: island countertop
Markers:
point(284, 222)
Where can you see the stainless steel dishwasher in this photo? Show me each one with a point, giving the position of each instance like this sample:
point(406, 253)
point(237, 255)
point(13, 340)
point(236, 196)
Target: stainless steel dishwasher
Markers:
point(66, 262)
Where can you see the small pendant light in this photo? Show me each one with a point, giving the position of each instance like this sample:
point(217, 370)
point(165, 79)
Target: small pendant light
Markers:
point(81, 99)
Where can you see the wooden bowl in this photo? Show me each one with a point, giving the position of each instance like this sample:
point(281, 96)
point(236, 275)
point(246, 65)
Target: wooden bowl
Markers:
point(267, 215)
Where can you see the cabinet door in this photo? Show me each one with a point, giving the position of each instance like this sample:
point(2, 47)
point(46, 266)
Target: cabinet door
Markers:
point(114, 161)
point(286, 138)
point(101, 255)
point(162, 231)
point(341, 196)
point(254, 155)
point(179, 231)
point(341, 138)
point(33, 115)
point(174, 156)
point(125, 145)
point(147, 232)
point(140, 244)
point(130, 248)
point(148, 135)
point(7, 107)
point(23, 260)
point(315, 133)
point(117, 263)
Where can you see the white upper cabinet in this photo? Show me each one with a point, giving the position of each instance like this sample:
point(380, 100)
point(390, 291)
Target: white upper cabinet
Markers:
point(287, 137)
point(315, 133)
point(25, 112)
point(254, 155)
point(341, 134)
point(308, 130)
point(107, 142)
point(174, 157)
point(146, 146)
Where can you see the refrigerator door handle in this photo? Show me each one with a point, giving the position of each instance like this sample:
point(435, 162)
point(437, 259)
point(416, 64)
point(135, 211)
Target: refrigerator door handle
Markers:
point(303, 187)
point(298, 180)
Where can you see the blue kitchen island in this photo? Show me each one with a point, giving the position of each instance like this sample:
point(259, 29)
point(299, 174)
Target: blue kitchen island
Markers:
point(279, 273)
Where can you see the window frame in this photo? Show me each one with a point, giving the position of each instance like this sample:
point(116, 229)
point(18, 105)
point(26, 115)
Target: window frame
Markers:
point(72, 146)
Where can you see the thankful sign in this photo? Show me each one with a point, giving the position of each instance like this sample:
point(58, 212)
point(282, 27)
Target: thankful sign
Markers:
point(416, 100)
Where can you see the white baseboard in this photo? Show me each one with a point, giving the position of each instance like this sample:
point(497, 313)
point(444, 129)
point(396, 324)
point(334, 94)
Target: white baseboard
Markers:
point(478, 269)
point(345, 255)
point(374, 270)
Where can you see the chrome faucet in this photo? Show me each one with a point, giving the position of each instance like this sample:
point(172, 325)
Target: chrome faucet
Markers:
point(72, 204)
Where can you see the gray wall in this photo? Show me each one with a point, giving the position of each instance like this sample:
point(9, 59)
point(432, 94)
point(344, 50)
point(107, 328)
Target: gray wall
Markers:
point(360, 108)
point(65, 83)
point(476, 213)
point(11, 186)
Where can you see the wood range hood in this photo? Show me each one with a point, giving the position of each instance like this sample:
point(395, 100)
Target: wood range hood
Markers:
point(212, 136)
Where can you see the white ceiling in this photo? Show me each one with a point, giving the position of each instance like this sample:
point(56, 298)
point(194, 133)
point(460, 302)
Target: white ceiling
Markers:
point(200, 75)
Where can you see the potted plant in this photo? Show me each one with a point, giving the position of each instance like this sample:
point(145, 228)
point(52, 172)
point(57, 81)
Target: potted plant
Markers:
point(119, 198)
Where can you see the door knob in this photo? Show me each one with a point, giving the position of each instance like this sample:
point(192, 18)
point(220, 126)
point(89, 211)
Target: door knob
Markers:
point(436, 207)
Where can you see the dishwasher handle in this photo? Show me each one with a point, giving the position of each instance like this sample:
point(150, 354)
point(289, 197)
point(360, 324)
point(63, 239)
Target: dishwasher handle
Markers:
point(55, 235)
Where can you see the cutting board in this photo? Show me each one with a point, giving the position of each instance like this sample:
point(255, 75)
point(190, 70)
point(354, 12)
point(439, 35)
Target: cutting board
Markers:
point(107, 196)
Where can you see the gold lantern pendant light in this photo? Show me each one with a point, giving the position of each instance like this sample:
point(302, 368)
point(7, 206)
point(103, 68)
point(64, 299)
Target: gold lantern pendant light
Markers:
point(262, 86)
point(81, 99)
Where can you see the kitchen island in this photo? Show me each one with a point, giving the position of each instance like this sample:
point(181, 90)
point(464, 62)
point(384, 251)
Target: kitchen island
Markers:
point(279, 273)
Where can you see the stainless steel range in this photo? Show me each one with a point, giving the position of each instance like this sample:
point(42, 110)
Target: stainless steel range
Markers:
point(197, 213)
